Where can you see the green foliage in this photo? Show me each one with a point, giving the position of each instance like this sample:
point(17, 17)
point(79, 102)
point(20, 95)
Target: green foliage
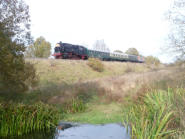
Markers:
point(152, 60)
point(15, 75)
point(98, 113)
point(40, 48)
point(22, 119)
point(75, 105)
point(95, 64)
point(14, 22)
point(155, 115)
point(132, 51)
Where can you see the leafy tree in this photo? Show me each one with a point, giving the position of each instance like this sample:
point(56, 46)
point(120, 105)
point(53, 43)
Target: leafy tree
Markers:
point(152, 60)
point(132, 51)
point(118, 51)
point(15, 74)
point(176, 17)
point(40, 48)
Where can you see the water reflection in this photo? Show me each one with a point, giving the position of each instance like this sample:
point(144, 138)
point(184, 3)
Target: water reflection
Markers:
point(87, 131)
point(82, 131)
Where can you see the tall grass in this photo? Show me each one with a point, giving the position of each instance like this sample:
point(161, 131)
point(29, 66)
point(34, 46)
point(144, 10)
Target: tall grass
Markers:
point(95, 64)
point(21, 119)
point(155, 115)
point(75, 105)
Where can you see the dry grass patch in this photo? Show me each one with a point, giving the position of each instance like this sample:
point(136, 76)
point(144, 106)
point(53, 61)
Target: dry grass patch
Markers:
point(71, 71)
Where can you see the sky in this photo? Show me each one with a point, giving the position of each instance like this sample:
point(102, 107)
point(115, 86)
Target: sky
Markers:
point(122, 24)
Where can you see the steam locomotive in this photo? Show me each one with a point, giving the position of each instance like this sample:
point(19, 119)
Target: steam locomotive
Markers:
point(70, 51)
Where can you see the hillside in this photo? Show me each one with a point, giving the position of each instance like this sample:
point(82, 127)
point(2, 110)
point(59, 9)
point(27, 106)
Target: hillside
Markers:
point(70, 90)
point(71, 71)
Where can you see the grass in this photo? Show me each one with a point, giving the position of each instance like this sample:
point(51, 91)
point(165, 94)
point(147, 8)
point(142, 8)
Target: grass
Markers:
point(122, 91)
point(95, 64)
point(156, 114)
point(19, 119)
point(98, 114)
point(71, 71)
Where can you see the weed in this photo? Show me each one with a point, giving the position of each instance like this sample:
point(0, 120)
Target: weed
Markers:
point(95, 64)
point(21, 119)
point(155, 115)
point(75, 105)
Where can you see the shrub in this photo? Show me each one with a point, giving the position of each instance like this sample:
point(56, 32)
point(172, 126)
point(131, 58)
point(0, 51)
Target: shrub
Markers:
point(95, 64)
point(18, 79)
point(151, 60)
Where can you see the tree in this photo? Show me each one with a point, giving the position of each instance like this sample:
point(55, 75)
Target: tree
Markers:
point(152, 60)
point(100, 45)
point(176, 37)
point(118, 51)
point(132, 51)
point(15, 74)
point(40, 48)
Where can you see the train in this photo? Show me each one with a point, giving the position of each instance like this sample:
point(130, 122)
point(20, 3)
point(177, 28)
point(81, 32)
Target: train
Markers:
point(70, 51)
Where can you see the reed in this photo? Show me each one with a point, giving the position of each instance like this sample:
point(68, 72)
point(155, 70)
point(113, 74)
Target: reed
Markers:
point(155, 115)
point(75, 105)
point(18, 119)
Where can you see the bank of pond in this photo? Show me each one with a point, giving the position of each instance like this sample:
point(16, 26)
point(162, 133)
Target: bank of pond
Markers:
point(156, 114)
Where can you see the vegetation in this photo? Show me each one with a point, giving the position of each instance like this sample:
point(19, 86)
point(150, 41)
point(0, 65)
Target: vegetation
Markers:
point(21, 119)
point(40, 48)
point(151, 60)
point(118, 51)
point(95, 64)
point(71, 71)
point(16, 75)
point(102, 100)
point(98, 113)
point(143, 100)
point(176, 18)
point(156, 114)
point(132, 51)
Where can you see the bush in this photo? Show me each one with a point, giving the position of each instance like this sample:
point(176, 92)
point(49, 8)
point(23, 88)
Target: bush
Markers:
point(95, 64)
point(18, 79)
point(151, 60)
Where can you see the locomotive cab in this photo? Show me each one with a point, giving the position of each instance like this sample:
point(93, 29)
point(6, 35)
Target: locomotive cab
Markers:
point(69, 51)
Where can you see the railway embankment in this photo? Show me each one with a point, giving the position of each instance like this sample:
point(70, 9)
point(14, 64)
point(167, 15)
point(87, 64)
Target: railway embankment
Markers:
point(122, 92)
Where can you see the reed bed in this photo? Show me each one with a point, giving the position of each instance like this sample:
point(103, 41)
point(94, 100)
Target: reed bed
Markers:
point(158, 114)
point(75, 105)
point(19, 119)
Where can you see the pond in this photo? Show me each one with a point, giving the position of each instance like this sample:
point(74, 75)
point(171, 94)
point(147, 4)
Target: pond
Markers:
point(83, 131)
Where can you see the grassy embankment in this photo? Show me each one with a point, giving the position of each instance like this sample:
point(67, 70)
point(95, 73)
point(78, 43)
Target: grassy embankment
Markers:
point(84, 95)
point(62, 86)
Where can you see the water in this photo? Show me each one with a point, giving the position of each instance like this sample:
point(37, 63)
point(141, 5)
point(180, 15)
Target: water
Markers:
point(87, 131)
point(83, 131)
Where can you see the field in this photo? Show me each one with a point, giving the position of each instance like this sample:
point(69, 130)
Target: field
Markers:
point(122, 92)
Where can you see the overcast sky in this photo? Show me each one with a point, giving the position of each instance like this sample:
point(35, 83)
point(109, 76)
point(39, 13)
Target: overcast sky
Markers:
point(121, 23)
